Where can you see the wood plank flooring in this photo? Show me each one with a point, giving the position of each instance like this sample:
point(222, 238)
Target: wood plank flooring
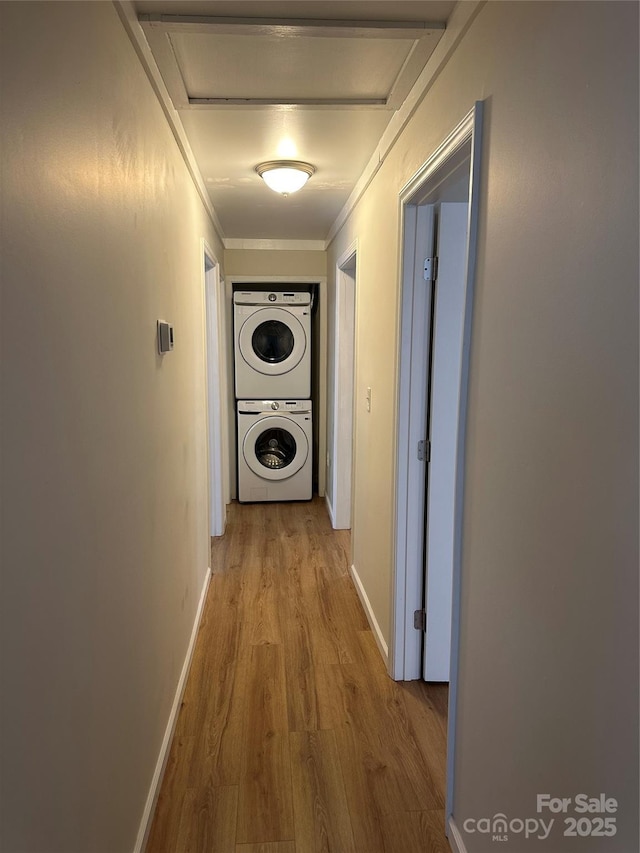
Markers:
point(291, 737)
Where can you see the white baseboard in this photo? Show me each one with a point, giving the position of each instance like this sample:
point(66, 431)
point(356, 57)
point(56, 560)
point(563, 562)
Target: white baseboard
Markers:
point(455, 839)
point(371, 617)
point(154, 790)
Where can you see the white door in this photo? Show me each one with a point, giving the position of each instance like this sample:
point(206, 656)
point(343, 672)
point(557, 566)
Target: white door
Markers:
point(444, 410)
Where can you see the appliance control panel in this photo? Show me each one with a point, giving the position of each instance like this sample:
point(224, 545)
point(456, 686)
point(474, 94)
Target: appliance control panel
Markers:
point(254, 406)
point(275, 297)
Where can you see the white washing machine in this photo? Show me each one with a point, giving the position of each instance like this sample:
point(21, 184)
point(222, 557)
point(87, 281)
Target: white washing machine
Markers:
point(275, 450)
point(272, 333)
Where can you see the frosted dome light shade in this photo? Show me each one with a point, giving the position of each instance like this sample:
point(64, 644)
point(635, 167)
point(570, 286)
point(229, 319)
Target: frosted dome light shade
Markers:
point(285, 176)
point(285, 180)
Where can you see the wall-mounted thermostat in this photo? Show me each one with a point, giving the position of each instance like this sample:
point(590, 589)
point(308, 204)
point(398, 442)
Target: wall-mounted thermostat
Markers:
point(165, 337)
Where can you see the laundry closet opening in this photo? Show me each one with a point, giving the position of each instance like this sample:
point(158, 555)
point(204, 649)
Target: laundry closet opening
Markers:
point(278, 405)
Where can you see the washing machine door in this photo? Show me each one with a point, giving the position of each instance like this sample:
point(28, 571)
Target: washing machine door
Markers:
point(272, 341)
point(275, 447)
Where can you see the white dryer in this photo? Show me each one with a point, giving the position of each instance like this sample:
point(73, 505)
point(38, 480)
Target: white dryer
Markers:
point(275, 450)
point(272, 333)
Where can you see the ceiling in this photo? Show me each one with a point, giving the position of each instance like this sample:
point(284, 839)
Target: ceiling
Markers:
point(305, 80)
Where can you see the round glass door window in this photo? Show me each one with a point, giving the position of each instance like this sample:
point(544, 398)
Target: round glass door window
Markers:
point(272, 341)
point(275, 448)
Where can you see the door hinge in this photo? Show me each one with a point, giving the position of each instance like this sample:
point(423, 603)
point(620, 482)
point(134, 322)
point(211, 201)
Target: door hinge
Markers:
point(420, 620)
point(430, 269)
point(424, 451)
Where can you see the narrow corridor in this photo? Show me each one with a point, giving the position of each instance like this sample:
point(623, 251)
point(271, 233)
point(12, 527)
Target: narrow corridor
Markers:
point(291, 737)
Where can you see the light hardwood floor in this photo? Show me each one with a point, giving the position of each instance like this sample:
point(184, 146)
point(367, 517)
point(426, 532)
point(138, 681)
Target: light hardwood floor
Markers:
point(291, 737)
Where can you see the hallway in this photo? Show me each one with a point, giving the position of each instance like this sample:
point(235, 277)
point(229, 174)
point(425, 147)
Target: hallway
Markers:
point(291, 737)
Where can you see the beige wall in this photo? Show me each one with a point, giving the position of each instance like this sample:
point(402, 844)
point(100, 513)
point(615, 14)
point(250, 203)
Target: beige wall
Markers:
point(275, 262)
point(105, 534)
point(548, 683)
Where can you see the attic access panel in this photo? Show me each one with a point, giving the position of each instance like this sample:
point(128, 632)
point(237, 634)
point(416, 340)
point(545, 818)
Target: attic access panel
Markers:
point(301, 68)
point(211, 62)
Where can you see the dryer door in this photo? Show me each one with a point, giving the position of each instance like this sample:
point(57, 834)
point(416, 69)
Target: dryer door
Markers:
point(272, 341)
point(275, 447)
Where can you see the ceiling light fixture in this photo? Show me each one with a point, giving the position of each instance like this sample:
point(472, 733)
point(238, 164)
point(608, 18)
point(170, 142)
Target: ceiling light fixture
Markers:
point(285, 176)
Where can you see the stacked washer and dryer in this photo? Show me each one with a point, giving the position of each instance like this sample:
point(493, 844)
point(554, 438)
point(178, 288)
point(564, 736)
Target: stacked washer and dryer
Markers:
point(272, 334)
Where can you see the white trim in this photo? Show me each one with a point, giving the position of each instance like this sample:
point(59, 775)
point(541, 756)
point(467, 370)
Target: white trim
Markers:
point(226, 387)
point(268, 26)
point(344, 413)
point(288, 245)
point(454, 836)
point(215, 376)
point(461, 19)
point(154, 790)
point(456, 139)
point(349, 253)
point(129, 18)
point(297, 103)
point(327, 500)
point(470, 275)
point(371, 616)
point(165, 59)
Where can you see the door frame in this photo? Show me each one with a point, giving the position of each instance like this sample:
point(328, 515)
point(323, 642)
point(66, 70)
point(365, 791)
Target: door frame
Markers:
point(344, 360)
point(215, 362)
point(320, 405)
point(408, 573)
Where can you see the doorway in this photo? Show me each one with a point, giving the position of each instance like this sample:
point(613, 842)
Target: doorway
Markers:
point(317, 286)
point(434, 365)
point(340, 455)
